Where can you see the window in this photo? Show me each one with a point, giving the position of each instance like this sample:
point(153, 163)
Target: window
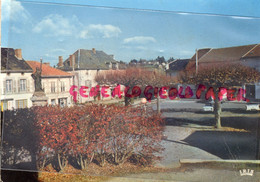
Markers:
point(8, 86)
point(62, 102)
point(88, 83)
point(21, 103)
point(6, 105)
point(22, 85)
point(53, 102)
point(62, 89)
point(52, 87)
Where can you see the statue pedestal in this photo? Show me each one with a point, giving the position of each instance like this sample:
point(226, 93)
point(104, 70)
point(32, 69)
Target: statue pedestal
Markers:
point(39, 99)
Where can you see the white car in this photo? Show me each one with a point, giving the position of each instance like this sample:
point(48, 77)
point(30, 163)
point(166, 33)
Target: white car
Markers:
point(252, 107)
point(208, 107)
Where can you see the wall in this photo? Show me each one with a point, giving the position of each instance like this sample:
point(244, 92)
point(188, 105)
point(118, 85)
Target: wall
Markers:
point(58, 94)
point(87, 78)
point(16, 93)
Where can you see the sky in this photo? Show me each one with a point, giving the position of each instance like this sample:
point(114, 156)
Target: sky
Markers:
point(128, 29)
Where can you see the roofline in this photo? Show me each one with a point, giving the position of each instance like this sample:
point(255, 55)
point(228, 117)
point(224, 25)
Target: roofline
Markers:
point(210, 49)
point(58, 76)
point(230, 61)
point(16, 71)
point(236, 46)
point(250, 50)
point(70, 69)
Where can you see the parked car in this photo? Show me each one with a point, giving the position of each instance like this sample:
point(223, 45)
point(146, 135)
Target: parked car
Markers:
point(208, 107)
point(253, 107)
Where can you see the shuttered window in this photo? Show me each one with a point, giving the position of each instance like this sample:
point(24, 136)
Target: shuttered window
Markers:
point(22, 85)
point(20, 104)
point(8, 86)
point(52, 87)
point(62, 84)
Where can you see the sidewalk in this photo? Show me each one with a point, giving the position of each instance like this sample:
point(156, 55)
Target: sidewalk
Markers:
point(190, 174)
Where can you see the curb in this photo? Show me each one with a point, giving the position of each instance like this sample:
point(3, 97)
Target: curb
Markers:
point(196, 161)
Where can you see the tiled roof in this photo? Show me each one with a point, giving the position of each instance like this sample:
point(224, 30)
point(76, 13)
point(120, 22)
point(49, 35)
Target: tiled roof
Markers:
point(255, 52)
point(226, 54)
point(201, 52)
point(9, 62)
point(47, 71)
point(89, 59)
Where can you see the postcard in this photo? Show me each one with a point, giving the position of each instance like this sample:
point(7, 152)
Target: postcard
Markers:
point(116, 94)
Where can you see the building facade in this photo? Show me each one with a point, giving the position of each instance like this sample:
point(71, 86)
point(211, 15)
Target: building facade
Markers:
point(85, 65)
point(16, 83)
point(55, 83)
point(248, 55)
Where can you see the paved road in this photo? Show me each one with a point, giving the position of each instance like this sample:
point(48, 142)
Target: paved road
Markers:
point(190, 134)
point(176, 148)
point(194, 104)
point(193, 174)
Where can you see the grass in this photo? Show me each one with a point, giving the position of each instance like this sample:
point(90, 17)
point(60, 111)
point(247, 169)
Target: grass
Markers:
point(94, 172)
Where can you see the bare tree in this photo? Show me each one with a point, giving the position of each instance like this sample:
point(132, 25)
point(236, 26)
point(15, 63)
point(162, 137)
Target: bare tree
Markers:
point(216, 76)
point(132, 77)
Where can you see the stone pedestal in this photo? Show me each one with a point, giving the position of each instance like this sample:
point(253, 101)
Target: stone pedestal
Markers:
point(39, 99)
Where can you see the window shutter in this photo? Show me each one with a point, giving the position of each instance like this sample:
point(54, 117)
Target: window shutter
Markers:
point(19, 86)
point(4, 86)
point(14, 86)
point(28, 85)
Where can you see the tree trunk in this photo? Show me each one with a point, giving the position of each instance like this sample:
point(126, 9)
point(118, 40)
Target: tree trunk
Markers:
point(127, 101)
point(62, 162)
point(158, 104)
point(217, 112)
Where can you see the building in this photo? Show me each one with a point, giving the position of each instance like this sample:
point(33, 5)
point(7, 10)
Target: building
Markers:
point(85, 65)
point(56, 84)
point(17, 85)
point(174, 67)
point(248, 55)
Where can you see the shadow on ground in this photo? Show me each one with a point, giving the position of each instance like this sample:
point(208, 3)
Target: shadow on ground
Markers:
point(246, 123)
point(19, 176)
point(226, 145)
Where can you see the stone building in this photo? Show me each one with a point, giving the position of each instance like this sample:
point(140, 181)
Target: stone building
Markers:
point(55, 83)
point(85, 65)
point(16, 83)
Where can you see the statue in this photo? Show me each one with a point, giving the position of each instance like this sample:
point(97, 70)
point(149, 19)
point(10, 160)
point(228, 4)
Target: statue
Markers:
point(39, 97)
point(38, 79)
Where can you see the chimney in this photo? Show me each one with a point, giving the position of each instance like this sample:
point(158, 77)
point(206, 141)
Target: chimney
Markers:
point(18, 53)
point(70, 60)
point(94, 50)
point(47, 64)
point(60, 64)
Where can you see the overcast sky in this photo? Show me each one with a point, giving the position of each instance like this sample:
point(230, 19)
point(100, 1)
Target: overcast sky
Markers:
point(49, 30)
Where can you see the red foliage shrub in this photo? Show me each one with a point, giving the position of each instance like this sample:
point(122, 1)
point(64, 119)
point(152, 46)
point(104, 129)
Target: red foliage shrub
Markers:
point(108, 132)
